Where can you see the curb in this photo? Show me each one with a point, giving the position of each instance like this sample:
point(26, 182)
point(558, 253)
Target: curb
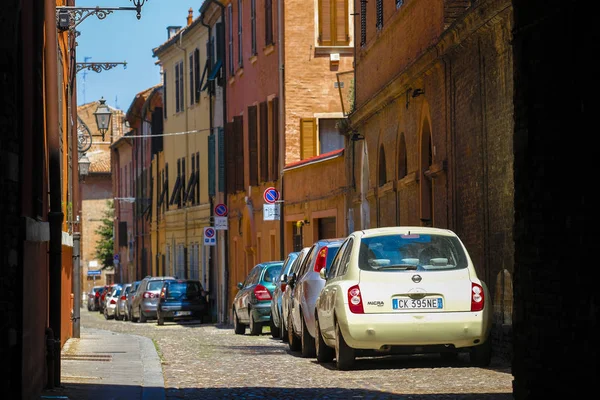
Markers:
point(154, 384)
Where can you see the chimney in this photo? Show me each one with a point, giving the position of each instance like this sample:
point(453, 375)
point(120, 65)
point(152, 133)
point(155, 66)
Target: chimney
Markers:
point(172, 31)
point(190, 17)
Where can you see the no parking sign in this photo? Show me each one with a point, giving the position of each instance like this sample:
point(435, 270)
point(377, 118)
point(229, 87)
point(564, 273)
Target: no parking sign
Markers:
point(210, 236)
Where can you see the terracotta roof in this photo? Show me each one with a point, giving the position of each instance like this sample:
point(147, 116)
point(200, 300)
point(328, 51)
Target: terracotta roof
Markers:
point(312, 160)
point(99, 162)
point(141, 99)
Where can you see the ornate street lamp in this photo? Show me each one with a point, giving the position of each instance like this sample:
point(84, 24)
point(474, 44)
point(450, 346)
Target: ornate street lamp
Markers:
point(103, 114)
point(84, 166)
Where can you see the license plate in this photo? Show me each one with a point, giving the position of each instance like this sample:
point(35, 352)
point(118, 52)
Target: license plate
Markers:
point(182, 313)
point(418, 304)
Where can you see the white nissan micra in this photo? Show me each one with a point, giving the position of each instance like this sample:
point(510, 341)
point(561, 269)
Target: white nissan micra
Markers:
point(402, 290)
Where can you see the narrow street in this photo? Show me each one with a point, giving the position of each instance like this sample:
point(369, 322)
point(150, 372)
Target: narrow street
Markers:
point(206, 361)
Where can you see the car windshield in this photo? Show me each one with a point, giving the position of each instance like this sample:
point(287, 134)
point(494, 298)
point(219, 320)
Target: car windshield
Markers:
point(178, 290)
point(272, 273)
point(155, 285)
point(411, 252)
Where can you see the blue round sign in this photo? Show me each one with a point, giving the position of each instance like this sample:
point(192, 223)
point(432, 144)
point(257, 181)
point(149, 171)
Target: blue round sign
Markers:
point(221, 210)
point(271, 195)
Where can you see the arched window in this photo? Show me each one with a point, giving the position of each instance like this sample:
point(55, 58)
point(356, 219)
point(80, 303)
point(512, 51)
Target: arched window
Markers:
point(402, 164)
point(382, 173)
point(425, 181)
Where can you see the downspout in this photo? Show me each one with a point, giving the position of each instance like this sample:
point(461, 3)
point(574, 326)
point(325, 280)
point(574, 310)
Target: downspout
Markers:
point(55, 216)
point(224, 257)
point(281, 126)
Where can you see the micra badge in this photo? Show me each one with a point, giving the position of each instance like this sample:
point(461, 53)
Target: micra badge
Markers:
point(377, 303)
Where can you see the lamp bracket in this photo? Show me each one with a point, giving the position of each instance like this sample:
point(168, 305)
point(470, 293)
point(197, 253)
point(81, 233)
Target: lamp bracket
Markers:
point(98, 66)
point(79, 14)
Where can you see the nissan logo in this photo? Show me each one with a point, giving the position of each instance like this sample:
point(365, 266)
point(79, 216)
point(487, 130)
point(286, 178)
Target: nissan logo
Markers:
point(416, 278)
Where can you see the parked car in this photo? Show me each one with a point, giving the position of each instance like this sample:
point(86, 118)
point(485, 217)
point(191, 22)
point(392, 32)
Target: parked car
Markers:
point(98, 298)
point(120, 313)
point(143, 306)
point(287, 294)
point(252, 303)
point(275, 322)
point(92, 304)
point(130, 297)
point(403, 290)
point(107, 290)
point(111, 301)
point(307, 284)
point(182, 299)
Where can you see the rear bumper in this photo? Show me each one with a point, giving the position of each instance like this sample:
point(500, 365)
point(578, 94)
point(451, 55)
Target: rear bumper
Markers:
point(261, 312)
point(374, 331)
point(179, 312)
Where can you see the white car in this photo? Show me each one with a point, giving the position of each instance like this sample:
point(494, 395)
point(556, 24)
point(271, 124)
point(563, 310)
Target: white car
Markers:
point(402, 290)
point(111, 300)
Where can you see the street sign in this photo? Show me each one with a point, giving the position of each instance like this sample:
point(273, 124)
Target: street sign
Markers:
point(271, 212)
point(94, 272)
point(221, 210)
point(116, 258)
point(210, 236)
point(271, 195)
point(221, 223)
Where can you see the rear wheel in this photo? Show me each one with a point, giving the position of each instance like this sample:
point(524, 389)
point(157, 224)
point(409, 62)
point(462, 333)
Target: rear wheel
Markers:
point(325, 353)
point(293, 340)
point(283, 333)
point(238, 327)
point(133, 317)
point(481, 356)
point(255, 327)
point(274, 329)
point(308, 342)
point(142, 317)
point(344, 354)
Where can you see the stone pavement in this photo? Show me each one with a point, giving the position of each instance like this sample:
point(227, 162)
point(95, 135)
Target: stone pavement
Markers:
point(106, 365)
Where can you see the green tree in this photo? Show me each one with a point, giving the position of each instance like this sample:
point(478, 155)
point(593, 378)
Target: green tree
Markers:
point(105, 247)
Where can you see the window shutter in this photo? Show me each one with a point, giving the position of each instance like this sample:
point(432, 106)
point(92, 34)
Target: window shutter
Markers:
point(191, 71)
point(211, 165)
point(264, 142)
point(308, 138)
point(325, 22)
point(197, 179)
point(275, 140)
point(253, 145)
point(342, 37)
point(229, 153)
point(197, 75)
point(268, 22)
point(221, 185)
point(176, 88)
point(165, 94)
point(238, 128)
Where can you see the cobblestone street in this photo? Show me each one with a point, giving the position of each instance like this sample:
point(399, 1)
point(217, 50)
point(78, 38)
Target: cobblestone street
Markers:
point(209, 362)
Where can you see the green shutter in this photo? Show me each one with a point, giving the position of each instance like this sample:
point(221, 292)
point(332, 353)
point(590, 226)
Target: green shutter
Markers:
point(211, 165)
point(221, 160)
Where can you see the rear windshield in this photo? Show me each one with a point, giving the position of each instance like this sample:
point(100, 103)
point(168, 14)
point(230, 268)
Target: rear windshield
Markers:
point(272, 273)
point(155, 285)
point(331, 252)
point(411, 252)
point(183, 289)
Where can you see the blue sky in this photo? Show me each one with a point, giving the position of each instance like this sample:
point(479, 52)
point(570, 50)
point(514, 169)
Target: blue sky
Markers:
point(122, 37)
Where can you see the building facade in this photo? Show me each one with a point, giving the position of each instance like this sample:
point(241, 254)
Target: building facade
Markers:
point(437, 123)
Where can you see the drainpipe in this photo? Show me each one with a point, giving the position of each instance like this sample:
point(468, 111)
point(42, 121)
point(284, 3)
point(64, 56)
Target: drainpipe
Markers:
point(224, 253)
point(55, 216)
point(76, 283)
point(281, 126)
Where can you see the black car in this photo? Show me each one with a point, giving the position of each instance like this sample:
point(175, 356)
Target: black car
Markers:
point(181, 299)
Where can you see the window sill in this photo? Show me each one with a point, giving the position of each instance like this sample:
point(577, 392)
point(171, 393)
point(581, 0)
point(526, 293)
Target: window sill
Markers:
point(253, 59)
point(341, 50)
point(239, 72)
point(385, 188)
point(232, 80)
point(407, 180)
point(269, 49)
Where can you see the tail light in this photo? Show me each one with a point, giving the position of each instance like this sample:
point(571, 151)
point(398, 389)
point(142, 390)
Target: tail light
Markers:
point(149, 295)
point(162, 293)
point(355, 302)
point(112, 301)
point(283, 286)
point(321, 261)
point(97, 294)
point(477, 297)
point(262, 293)
point(123, 297)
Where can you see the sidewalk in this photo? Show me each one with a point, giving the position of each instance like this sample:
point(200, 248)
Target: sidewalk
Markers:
point(107, 365)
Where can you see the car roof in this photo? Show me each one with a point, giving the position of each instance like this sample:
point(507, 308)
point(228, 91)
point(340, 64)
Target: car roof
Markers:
point(406, 230)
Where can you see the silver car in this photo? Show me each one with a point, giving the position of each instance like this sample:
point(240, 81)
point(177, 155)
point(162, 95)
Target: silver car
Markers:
point(130, 298)
point(111, 300)
point(143, 306)
point(275, 322)
point(287, 294)
point(307, 284)
point(120, 313)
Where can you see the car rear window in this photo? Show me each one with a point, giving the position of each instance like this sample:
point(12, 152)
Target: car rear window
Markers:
point(181, 289)
point(411, 252)
point(155, 285)
point(272, 273)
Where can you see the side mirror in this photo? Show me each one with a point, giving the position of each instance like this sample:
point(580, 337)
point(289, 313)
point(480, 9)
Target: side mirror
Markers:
point(284, 278)
point(240, 285)
point(323, 273)
point(292, 279)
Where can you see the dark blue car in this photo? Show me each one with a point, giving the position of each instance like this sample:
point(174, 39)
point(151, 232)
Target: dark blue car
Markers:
point(181, 299)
